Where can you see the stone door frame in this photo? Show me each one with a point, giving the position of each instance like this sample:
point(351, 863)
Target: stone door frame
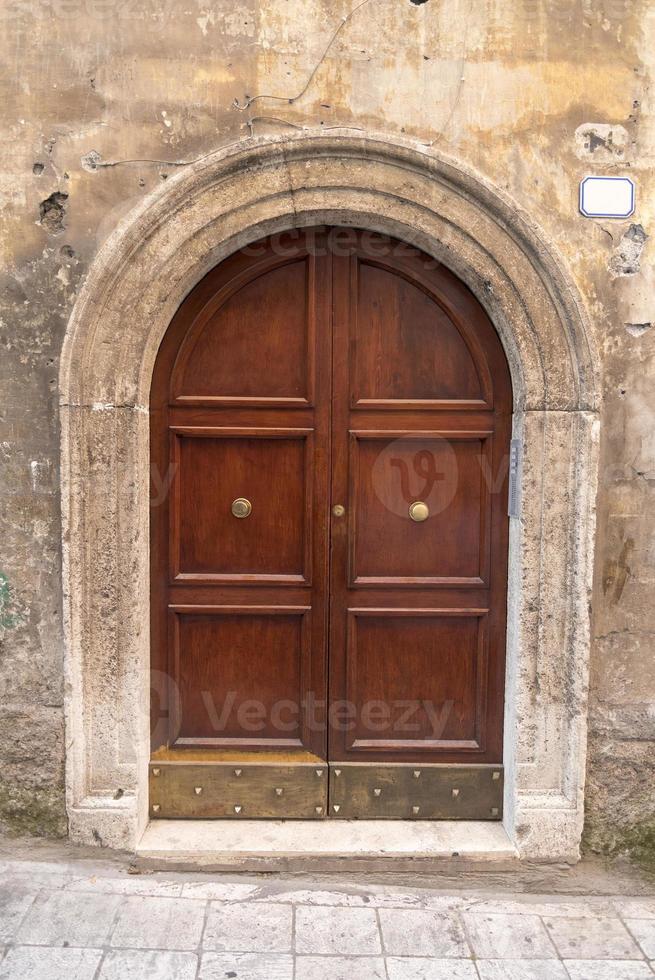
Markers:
point(225, 200)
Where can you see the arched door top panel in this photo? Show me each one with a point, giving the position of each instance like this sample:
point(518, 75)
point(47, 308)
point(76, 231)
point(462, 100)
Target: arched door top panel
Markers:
point(249, 310)
point(244, 305)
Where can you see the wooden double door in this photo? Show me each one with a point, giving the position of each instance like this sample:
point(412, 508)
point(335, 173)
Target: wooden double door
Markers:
point(330, 425)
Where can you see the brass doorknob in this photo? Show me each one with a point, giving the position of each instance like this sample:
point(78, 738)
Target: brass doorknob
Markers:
point(338, 510)
point(241, 507)
point(418, 511)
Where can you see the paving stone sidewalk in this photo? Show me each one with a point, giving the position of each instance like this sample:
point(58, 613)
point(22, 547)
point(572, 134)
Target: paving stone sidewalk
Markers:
point(80, 920)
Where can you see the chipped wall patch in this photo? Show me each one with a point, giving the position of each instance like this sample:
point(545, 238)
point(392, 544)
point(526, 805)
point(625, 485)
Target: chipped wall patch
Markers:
point(637, 329)
point(90, 161)
point(602, 142)
point(626, 258)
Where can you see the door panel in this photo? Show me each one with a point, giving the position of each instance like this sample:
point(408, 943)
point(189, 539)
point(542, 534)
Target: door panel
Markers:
point(228, 695)
point(406, 347)
point(392, 470)
point(419, 676)
point(329, 446)
point(271, 468)
point(234, 354)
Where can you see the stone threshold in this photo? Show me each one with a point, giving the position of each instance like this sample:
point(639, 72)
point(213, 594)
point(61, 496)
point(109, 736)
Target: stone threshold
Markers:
point(324, 846)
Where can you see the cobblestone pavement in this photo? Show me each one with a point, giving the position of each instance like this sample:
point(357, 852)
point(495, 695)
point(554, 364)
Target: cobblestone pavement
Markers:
point(70, 919)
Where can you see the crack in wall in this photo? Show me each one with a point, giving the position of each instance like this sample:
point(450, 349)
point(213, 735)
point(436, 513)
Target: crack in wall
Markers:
point(290, 100)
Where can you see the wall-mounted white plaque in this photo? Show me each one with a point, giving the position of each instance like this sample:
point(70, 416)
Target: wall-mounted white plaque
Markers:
point(607, 197)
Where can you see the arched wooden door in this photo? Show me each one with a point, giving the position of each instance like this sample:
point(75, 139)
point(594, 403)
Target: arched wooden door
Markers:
point(330, 426)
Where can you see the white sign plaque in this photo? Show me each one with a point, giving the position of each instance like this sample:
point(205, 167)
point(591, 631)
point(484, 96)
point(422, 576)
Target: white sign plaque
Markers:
point(607, 197)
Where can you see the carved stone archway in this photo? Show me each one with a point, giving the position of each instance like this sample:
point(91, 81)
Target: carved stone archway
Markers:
point(229, 198)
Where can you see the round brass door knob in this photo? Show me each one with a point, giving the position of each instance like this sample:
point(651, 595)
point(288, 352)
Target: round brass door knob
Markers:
point(418, 511)
point(338, 510)
point(241, 507)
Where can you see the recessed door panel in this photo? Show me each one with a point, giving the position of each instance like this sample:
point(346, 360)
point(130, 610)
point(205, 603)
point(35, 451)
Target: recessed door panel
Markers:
point(253, 342)
point(407, 349)
point(268, 473)
point(446, 475)
point(240, 675)
point(416, 679)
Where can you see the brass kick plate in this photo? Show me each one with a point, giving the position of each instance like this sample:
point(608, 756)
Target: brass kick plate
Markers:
point(242, 790)
point(236, 790)
point(415, 792)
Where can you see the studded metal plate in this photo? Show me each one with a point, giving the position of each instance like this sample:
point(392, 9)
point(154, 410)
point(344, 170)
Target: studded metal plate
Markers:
point(433, 792)
point(212, 789)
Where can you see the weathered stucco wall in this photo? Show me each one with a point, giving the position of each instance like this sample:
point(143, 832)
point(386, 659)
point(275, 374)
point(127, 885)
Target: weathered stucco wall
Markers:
point(105, 100)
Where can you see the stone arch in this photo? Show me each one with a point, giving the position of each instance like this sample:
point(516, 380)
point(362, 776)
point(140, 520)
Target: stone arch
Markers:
point(223, 201)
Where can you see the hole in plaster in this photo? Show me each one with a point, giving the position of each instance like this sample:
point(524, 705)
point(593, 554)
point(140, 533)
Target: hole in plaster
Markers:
point(637, 329)
point(52, 211)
